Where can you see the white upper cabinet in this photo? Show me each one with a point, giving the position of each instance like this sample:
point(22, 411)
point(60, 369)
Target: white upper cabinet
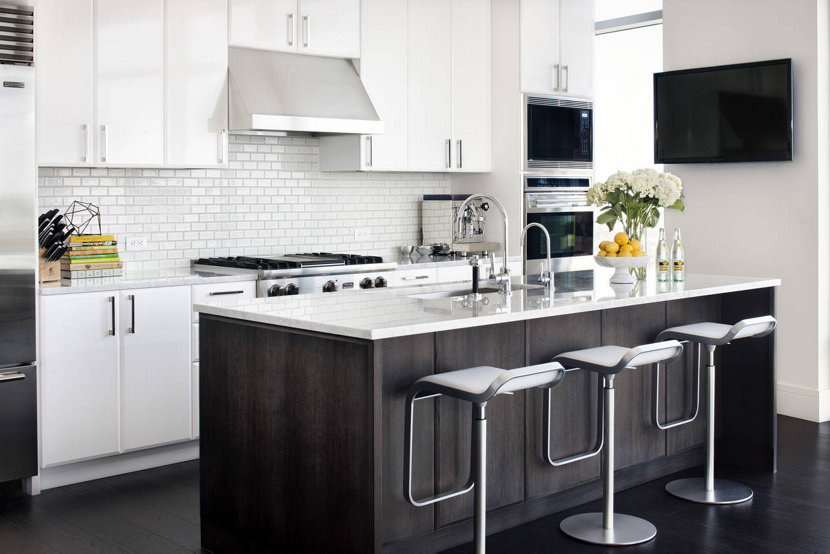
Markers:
point(266, 24)
point(557, 50)
point(196, 90)
point(430, 86)
point(329, 28)
point(319, 27)
point(471, 92)
point(129, 82)
point(64, 90)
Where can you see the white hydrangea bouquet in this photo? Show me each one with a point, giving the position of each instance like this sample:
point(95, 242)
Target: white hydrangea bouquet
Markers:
point(633, 199)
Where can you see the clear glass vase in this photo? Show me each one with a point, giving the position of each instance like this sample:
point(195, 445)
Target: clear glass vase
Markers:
point(638, 231)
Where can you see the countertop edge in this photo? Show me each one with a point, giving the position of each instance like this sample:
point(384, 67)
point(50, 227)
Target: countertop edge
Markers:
point(152, 282)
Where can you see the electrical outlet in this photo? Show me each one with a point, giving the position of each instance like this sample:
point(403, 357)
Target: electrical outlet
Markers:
point(137, 243)
point(362, 234)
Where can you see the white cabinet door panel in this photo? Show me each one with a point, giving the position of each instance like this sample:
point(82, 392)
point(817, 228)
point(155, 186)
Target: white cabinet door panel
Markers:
point(194, 433)
point(265, 24)
point(129, 78)
point(471, 119)
point(430, 89)
point(329, 28)
point(155, 366)
point(78, 376)
point(196, 90)
point(383, 70)
point(577, 45)
point(64, 77)
point(540, 46)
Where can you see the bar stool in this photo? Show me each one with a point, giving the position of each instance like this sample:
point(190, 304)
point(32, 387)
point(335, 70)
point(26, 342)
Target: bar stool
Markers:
point(708, 490)
point(608, 528)
point(476, 385)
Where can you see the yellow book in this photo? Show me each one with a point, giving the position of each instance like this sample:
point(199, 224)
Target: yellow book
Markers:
point(91, 238)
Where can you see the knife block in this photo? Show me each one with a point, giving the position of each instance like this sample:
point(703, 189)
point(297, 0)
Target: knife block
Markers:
point(48, 272)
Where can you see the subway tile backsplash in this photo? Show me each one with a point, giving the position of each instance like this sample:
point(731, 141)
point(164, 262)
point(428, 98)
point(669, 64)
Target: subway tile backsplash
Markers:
point(272, 199)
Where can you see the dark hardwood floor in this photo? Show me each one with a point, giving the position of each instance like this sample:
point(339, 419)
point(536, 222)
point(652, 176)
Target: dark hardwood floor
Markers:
point(158, 511)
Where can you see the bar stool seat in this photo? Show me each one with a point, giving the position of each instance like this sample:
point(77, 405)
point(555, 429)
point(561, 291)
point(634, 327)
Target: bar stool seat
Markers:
point(476, 385)
point(708, 490)
point(607, 527)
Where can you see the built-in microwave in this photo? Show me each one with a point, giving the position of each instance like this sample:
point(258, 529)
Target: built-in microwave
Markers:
point(559, 204)
point(558, 134)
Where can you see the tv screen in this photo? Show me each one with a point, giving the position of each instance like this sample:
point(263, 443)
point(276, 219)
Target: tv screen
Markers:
point(729, 113)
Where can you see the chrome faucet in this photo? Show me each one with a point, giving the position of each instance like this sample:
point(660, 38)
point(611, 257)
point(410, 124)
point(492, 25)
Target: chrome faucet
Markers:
point(545, 277)
point(502, 279)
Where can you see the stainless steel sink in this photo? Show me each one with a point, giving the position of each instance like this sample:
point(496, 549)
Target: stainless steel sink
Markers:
point(531, 289)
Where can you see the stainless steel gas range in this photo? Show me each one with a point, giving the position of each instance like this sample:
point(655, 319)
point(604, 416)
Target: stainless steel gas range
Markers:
point(304, 273)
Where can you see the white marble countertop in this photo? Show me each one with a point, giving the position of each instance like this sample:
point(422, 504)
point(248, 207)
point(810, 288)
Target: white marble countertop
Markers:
point(385, 313)
point(144, 279)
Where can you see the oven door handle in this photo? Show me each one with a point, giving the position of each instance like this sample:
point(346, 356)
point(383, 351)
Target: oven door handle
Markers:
point(556, 209)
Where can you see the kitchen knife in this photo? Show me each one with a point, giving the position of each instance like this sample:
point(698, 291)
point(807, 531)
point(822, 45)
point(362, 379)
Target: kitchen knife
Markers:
point(47, 238)
point(55, 252)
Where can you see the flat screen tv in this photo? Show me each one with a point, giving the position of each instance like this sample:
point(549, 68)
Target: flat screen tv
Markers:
point(729, 113)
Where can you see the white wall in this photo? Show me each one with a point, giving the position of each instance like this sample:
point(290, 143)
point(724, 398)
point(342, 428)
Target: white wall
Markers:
point(766, 219)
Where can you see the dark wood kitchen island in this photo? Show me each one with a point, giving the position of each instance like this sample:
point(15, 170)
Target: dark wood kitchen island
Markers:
point(302, 404)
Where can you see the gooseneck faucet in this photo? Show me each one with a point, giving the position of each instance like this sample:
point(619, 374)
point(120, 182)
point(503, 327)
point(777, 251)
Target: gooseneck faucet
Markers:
point(502, 279)
point(547, 276)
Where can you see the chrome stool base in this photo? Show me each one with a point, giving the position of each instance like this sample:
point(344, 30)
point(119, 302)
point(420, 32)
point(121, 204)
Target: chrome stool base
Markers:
point(627, 529)
point(694, 490)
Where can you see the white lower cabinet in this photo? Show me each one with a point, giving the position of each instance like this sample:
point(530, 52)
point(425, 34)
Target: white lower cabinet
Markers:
point(115, 372)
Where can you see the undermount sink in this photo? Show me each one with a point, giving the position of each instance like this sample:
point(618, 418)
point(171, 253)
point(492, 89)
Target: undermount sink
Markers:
point(531, 289)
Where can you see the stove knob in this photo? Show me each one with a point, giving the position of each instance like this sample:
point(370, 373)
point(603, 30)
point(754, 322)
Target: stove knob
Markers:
point(275, 290)
point(367, 283)
point(380, 282)
point(330, 286)
point(291, 289)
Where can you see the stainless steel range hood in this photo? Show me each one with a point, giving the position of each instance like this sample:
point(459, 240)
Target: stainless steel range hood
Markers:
point(294, 93)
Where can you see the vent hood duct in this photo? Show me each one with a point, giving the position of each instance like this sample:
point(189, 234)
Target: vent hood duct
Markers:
point(295, 93)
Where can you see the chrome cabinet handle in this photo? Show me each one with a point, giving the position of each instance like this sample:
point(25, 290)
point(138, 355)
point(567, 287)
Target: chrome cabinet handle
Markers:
point(460, 163)
point(111, 330)
point(221, 148)
point(448, 143)
point(554, 77)
point(306, 31)
point(567, 78)
point(12, 376)
point(370, 145)
point(414, 277)
point(224, 292)
point(291, 29)
point(85, 157)
point(104, 142)
point(131, 328)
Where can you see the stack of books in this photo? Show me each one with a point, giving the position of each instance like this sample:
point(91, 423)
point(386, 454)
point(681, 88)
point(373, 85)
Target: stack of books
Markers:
point(91, 257)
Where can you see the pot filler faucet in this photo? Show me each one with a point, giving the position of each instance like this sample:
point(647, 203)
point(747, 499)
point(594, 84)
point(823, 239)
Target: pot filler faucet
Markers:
point(547, 276)
point(501, 279)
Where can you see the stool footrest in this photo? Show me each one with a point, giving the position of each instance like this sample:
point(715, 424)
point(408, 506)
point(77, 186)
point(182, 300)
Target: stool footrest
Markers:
point(558, 462)
point(655, 415)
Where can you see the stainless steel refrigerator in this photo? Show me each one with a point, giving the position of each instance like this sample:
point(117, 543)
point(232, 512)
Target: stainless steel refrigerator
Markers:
point(18, 263)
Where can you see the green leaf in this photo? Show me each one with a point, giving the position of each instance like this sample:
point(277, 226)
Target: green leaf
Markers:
point(678, 205)
point(607, 218)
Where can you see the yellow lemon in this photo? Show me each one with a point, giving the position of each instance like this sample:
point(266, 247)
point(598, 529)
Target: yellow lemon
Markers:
point(624, 254)
point(639, 253)
point(602, 245)
point(602, 253)
point(610, 254)
point(621, 238)
point(635, 244)
point(626, 248)
point(612, 247)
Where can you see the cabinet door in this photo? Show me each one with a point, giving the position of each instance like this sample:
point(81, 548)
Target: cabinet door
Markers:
point(194, 399)
point(540, 46)
point(471, 113)
point(265, 24)
point(129, 53)
point(429, 95)
point(383, 70)
point(155, 367)
point(64, 73)
point(329, 28)
point(196, 91)
point(78, 376)
point(577, 47)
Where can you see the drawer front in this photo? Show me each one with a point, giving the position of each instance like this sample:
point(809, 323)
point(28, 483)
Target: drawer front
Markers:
point(411, 277)
point(18, 412)
point(222, 291)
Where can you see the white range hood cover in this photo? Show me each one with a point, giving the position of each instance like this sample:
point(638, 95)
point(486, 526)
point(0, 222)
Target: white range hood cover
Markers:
point(280, 92)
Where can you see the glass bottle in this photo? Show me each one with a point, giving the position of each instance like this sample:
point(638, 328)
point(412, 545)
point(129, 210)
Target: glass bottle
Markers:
point(662, 257)
point(678, 257)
